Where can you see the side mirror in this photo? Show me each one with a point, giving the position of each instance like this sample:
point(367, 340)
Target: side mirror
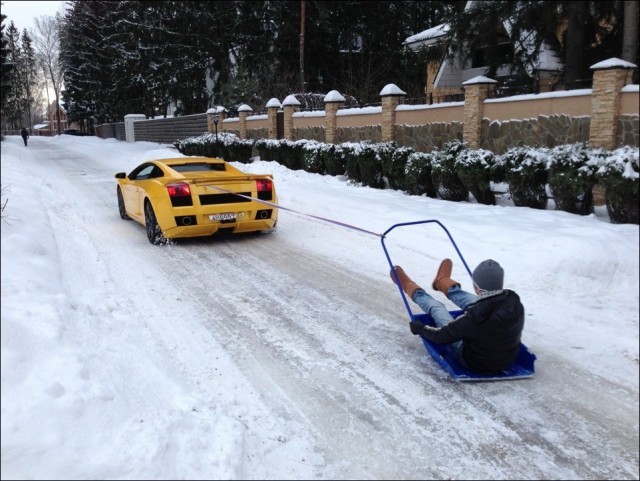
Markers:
point(121, 175)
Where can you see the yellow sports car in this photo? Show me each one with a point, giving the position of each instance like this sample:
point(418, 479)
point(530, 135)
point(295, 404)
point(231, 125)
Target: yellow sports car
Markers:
point(195, 196)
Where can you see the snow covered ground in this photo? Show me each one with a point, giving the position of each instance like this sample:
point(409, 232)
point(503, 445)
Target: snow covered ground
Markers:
point(288, 356)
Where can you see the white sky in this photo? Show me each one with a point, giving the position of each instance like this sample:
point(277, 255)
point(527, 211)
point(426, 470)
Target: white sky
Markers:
point(289, 356)
point(23, 13)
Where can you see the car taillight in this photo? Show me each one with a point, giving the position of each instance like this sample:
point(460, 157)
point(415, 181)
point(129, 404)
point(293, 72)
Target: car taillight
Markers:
point(264, 184)
point(179, 189)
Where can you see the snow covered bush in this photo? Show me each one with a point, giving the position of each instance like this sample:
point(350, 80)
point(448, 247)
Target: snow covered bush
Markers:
point(618, 172)
point(285, 152)
point(445, 177)
point(363, 163)
point(268, 149)
point(572, 176)
point(226, 146)
point(525, 170)
point(474, 169)
point(334, 159)
point(312, 160)
point(292, 153)
point(571, 171)
point(418, 175)
point(394, 165)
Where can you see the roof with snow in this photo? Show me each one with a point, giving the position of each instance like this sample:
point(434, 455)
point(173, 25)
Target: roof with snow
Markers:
point(428, 36)
point(547, 60)
point(613, 63)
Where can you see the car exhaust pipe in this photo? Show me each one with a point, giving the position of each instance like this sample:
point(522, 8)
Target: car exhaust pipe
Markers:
point(185, 220)
point(263, 214)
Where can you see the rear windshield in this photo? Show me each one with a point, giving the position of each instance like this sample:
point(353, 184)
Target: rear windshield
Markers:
point(204, 167)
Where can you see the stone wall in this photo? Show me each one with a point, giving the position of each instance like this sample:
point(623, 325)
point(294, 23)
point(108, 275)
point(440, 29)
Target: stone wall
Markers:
point(316, 133)
point(372, 133)
point(425, 138)
point(544, 131)
point(628, 130)
point(257, 134)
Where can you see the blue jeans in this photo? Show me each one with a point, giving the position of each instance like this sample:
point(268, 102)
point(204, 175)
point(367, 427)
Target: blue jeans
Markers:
point(439, 313)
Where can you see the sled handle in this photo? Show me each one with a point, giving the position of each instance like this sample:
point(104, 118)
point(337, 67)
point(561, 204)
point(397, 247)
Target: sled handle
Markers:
point(395, 276)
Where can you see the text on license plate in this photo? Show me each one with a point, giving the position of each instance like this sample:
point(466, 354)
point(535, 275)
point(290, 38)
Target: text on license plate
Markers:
point(226, 216)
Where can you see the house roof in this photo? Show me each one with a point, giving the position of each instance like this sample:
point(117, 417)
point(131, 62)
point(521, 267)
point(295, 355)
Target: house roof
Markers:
point(428, 36)
point(546, 61)
point(53, 104)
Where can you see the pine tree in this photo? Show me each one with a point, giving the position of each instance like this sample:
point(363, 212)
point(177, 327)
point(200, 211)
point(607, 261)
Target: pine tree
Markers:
point(14, 101)
point(29, 77)
point(7, 68)
point(134, 56)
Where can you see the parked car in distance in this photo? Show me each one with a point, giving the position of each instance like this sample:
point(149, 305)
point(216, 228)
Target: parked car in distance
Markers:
point(195, 196)
point(74, 132)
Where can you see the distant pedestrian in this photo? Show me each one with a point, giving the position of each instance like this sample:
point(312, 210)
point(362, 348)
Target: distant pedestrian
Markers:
point(25, 135)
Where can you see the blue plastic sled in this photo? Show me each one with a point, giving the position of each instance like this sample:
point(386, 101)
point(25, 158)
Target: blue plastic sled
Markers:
point(523, 367)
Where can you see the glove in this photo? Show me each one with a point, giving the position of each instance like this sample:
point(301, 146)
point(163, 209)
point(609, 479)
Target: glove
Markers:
point(416, 327)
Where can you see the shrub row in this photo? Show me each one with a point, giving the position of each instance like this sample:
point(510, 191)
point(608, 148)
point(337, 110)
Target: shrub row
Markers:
point(223, 145)
point(569, 172)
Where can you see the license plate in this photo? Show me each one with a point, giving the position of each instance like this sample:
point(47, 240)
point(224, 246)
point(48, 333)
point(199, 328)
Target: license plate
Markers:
point(225, 216)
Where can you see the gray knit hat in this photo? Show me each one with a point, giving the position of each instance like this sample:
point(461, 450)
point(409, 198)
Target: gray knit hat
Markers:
point(489, 276)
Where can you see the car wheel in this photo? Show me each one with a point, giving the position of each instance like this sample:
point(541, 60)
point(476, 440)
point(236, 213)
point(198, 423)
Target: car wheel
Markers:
point(123, 212)
point(154, 234)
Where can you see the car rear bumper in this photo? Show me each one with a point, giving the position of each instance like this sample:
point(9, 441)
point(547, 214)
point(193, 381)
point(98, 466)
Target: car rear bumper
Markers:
point(206, 227)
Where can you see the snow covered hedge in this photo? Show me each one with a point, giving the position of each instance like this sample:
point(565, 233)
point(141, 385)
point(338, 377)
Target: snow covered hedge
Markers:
point(525, 170)
point(223, 145)
point(618, 172)
point(569, 172)
point(445, 175)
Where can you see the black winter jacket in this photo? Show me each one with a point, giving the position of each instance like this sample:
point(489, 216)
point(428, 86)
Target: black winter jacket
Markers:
point(489, 329)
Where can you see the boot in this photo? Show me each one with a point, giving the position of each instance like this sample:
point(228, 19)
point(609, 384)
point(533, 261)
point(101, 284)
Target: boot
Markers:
point(408, 286)
point(443, 281)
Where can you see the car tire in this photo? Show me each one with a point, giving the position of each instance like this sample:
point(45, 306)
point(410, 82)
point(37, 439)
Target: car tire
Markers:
point(121, 209)
point(154, 234)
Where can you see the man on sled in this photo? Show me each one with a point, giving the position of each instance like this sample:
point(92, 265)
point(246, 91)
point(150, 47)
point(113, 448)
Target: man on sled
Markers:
point(485, 338)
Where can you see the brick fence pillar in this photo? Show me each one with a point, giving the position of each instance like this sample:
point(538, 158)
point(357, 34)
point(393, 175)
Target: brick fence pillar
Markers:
point(391, 96)
point(243, 113)
point(608, 79)
point(290, 105)
point(332, 102)
point(273, 106)
point(476, 90)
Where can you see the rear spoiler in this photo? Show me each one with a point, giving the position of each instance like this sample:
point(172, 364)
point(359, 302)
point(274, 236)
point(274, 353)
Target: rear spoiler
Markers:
point(233, 178)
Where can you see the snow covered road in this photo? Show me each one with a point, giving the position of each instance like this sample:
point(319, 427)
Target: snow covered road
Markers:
point(290, 353)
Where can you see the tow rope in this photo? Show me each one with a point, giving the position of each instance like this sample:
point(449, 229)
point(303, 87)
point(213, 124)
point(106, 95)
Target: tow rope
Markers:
point(331, 221)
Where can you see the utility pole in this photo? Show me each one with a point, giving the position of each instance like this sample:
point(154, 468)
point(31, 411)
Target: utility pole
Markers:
point(302, 15)
point(46, 87)
point(630, 32)
point(28, 89)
